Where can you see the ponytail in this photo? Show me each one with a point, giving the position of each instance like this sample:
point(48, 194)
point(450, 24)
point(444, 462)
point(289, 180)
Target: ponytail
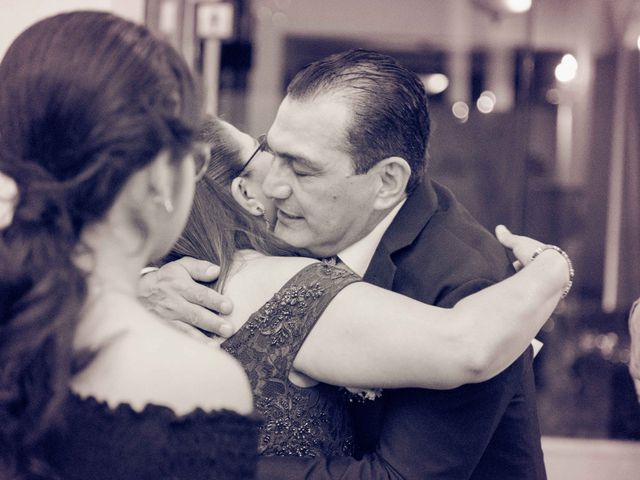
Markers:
point(41, 294)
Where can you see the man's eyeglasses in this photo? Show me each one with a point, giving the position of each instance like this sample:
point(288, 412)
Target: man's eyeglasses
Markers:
point(201, 154)
point(262, 144)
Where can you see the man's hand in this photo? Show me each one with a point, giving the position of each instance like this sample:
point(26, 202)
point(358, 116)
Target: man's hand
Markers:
point(634, 361)
point(172, 292)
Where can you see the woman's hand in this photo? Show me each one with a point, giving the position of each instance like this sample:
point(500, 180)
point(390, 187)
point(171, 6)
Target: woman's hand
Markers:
point(521, 246)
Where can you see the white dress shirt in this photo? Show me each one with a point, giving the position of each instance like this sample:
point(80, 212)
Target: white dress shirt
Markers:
point(357, 256)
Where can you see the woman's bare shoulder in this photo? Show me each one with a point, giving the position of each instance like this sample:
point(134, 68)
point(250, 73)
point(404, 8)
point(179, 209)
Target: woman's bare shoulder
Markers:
point(282, 268)
point(256, 279)
point(157, 364)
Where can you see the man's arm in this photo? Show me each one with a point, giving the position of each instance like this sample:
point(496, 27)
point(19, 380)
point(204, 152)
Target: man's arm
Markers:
point(173, 293)
point(425, 433)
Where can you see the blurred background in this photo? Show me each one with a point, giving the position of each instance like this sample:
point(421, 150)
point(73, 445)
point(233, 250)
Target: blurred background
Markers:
point(536, 120)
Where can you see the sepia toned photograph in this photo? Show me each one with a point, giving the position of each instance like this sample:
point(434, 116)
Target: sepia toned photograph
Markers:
point(320, 239)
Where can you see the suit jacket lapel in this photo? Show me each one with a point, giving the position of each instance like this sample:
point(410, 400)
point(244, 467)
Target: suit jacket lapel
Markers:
point(411, 219)
point(381, 270)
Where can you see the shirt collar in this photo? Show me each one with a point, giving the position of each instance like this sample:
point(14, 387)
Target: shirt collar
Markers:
point(358, 255)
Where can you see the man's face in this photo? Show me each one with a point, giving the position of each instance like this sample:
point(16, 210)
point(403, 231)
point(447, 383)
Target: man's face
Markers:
point(321, 204)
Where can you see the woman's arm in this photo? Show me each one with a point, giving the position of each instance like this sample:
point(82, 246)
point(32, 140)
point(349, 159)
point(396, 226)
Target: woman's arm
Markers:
point(371, 337)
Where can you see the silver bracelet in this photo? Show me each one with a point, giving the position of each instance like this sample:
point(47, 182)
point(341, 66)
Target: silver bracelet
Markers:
point(541, 249)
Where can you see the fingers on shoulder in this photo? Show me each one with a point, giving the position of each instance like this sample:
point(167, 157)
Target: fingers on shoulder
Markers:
point(204, 296)
point(200, 270)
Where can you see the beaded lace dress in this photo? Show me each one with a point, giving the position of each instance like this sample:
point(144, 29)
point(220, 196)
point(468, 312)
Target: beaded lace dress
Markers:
point(297, 421)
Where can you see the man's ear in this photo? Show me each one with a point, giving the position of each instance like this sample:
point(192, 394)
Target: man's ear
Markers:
point(242, 195)
point(393, 173)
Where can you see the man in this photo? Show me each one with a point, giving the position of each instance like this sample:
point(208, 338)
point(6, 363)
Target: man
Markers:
point(348, 179)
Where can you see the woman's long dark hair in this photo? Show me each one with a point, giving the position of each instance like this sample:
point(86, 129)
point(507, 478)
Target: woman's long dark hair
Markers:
point(218, 226)
point(86, 100)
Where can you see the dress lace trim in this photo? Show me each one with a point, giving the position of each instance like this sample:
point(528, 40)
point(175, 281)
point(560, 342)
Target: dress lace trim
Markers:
point(100, 442)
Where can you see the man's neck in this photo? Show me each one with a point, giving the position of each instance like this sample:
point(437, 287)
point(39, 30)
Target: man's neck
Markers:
point(358, 255)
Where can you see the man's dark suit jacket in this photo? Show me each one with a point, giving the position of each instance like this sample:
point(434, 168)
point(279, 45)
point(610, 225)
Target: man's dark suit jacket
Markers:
point(435, 252)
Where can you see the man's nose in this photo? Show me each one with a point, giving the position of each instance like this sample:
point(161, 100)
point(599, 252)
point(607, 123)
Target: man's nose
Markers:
point(276, 184)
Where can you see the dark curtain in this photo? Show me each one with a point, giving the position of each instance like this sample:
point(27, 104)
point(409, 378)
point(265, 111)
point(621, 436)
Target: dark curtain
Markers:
point(622, 247)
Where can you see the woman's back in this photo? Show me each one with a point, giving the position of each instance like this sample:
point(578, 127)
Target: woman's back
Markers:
point(278, 301)
point(152, 403)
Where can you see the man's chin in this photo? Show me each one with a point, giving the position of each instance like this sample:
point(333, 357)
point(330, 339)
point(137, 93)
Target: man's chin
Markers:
point(289, 235)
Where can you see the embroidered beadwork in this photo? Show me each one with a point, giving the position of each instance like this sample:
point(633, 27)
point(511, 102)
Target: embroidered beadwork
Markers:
point(297, 421)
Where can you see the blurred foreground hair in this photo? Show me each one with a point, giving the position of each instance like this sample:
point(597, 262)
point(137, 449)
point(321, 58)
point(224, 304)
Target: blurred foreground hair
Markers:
point(86, 100)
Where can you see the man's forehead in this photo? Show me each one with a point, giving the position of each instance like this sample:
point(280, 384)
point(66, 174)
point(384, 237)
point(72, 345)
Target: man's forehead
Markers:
point(322, 120)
